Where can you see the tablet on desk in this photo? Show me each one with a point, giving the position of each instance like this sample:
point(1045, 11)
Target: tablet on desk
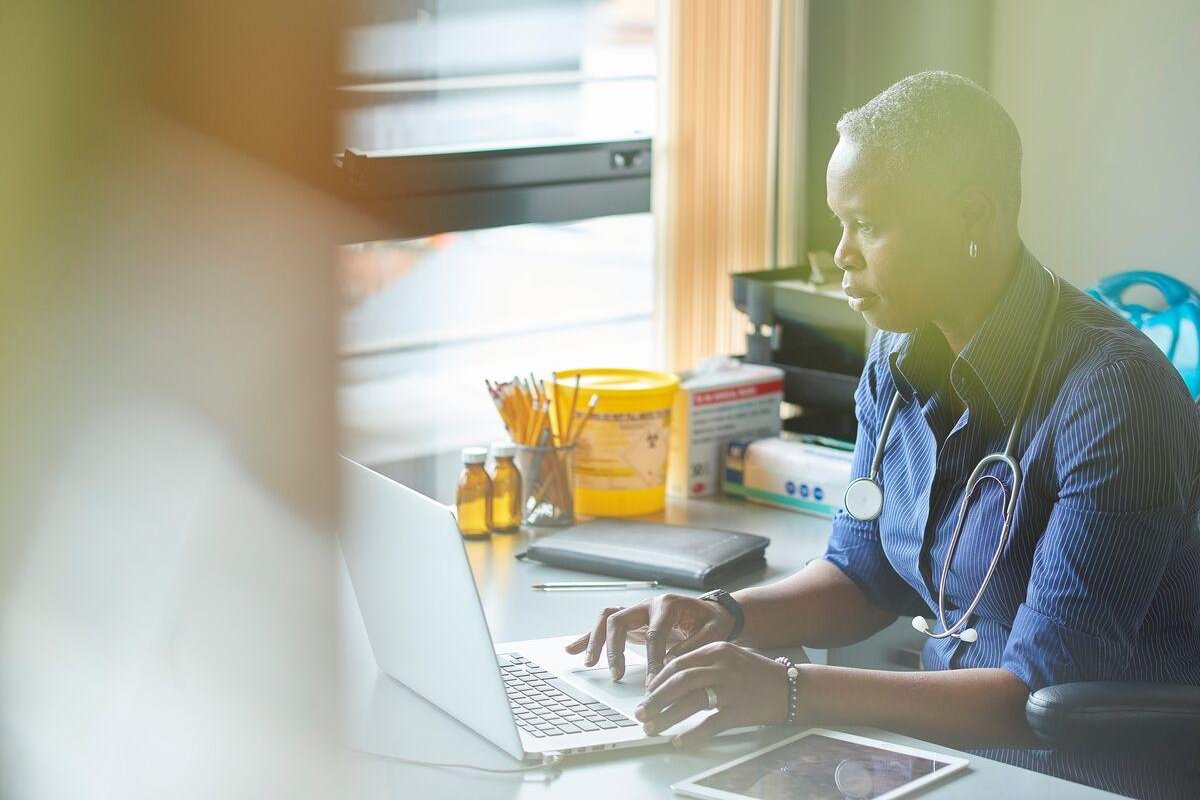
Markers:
point(823, 765)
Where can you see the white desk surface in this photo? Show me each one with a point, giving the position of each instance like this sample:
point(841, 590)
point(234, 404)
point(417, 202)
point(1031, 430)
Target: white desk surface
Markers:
point(383, 716)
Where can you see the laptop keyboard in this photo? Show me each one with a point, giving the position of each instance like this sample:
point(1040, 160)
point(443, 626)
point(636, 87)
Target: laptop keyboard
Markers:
point(547, 706)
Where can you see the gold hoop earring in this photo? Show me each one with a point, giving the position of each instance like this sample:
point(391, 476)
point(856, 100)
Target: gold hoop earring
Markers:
point(973, 250)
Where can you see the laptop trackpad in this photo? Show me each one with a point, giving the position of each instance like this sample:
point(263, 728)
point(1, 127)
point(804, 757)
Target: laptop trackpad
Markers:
point(623, 694)
point(598, 681)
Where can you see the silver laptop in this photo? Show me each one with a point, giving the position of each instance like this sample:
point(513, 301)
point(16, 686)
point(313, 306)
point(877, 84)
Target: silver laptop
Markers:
point(426, 625)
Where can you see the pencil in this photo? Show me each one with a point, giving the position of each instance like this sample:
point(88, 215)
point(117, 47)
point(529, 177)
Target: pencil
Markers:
point(536, 421)
point(586, 416)
point(539, 422)
point(574, 404)
point(524, 403)
point(557, 418)
point(498, 402)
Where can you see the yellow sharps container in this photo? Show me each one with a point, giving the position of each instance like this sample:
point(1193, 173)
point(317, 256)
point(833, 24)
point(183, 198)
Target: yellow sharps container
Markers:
point(621, 457)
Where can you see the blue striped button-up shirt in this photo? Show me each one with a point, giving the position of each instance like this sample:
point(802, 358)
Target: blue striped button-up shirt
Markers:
point(1100, 579)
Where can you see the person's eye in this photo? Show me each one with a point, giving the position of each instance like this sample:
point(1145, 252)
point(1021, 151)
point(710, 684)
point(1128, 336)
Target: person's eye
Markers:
point(864, 228)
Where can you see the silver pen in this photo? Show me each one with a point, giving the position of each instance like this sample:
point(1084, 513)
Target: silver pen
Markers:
point(584, 586)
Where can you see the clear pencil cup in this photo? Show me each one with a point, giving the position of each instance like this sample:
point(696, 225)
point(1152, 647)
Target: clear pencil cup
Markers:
point(548, 484)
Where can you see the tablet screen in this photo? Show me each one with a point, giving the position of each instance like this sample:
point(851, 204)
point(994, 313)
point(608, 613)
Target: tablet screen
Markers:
point(826, 766)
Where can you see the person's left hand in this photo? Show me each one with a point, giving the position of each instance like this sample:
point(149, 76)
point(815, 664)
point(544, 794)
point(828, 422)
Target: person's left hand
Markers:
point(749, 690)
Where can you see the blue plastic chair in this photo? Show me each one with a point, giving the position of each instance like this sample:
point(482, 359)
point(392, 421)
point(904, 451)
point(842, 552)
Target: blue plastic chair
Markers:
point(1175, 329)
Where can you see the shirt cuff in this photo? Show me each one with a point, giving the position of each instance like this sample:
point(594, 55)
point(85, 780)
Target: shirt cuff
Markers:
point(1042, 652)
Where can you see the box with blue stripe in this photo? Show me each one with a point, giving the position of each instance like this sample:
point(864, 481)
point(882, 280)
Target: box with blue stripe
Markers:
point(805, 474)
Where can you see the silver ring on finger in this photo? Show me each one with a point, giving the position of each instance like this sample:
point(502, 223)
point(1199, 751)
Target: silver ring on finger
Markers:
point(711, 693)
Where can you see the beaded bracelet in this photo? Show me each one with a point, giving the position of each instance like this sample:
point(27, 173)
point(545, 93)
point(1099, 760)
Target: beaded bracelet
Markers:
point(793, 695)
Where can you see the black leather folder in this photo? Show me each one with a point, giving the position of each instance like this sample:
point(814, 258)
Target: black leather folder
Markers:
point(691, 558)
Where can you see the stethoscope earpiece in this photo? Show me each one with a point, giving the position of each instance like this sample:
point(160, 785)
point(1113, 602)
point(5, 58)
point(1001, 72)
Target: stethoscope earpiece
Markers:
point(968, 635)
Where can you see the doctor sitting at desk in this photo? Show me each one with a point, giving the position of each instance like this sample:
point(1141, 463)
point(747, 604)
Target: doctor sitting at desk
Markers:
point(1028, 478)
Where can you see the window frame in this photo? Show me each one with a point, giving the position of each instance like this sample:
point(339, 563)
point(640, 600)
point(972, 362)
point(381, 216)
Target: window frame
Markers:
point(423, 192)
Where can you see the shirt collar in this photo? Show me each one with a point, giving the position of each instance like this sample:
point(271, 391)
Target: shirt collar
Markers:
point(919, 363)
point(998, 354)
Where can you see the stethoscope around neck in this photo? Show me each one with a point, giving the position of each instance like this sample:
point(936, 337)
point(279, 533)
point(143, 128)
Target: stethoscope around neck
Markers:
point(864, 497)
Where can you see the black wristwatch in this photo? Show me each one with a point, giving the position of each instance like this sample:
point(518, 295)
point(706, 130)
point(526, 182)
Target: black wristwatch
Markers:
point(726, 601)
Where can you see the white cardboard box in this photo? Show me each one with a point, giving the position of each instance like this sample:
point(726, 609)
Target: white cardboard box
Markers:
point(796, 475)
point(720, 400)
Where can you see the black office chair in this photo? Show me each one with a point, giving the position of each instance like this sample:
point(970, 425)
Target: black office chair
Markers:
point(1157, 719)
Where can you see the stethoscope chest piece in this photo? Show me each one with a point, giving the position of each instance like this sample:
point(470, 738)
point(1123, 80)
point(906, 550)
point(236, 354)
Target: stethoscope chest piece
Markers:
point(864, 499)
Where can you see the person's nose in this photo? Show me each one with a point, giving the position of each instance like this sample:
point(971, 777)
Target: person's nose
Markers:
point(847, 255)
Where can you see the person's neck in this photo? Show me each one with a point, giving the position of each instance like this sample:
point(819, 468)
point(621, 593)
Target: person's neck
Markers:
point(978, 297)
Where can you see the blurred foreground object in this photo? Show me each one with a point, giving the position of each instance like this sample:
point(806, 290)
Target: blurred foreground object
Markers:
point(167, 569)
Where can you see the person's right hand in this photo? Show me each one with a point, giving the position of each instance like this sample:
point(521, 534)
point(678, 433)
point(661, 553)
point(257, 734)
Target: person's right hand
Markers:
point(669, 625)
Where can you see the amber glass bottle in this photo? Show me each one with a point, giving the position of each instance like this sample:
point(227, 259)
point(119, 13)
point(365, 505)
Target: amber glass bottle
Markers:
point(474, 495)
point(506, 489)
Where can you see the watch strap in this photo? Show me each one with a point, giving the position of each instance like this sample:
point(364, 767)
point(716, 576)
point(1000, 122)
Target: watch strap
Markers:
point(726, 601)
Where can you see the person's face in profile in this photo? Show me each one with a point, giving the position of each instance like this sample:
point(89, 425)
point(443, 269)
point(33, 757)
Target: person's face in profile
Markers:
point(901, 244)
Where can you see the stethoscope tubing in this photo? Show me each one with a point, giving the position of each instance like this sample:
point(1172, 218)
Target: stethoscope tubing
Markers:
point(1009, 511)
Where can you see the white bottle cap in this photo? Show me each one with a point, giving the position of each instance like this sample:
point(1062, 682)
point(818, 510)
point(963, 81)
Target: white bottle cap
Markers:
point(503, 449)
point(474, 455)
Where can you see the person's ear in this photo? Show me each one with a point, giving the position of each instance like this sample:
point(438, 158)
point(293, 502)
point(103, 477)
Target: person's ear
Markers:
point(979, 209)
